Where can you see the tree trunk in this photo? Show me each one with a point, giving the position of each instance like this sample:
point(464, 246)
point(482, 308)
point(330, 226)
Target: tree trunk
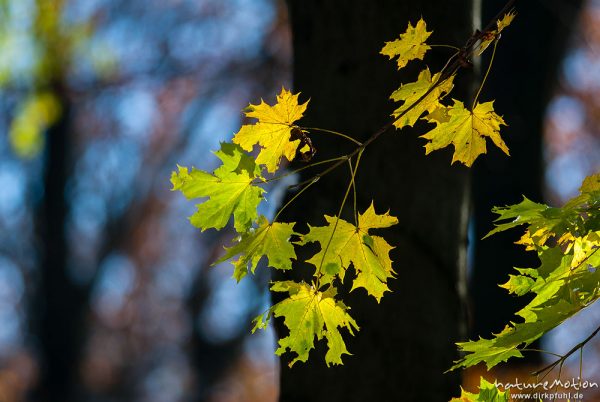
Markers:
point(60, 305)
point(407, 341)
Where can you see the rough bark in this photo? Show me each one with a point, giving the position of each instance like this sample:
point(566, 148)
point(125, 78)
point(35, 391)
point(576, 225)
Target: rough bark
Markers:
point(407, 341)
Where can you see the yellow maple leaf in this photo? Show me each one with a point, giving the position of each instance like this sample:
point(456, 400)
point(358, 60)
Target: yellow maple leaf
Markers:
point(492, 35)
point(412, 92)
point(505, 21)
point(343, 244)
point(273, 129)
point(438, 114)
point(309, 314)
point(466, 130)
point(584, 247)
point(410, 46)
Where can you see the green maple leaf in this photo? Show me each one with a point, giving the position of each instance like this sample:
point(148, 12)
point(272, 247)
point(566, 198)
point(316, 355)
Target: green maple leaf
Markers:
point(411, 93)
point(567, 241)
point(343, 243)
point(268, 239)
point(488, 392)
point(230, 190)
point(508, 342)
point(411, 44)
point(591, 185)
point(520, 284)
point(525, 212)
point(273, 130)
point(574, 225)
point(310, 314)
point(466, 130)
point(589, 193)
point(561, 290)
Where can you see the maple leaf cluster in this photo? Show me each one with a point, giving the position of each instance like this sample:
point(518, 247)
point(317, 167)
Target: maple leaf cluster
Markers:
point(566, 239)
point(233, 191)
point(466, 129)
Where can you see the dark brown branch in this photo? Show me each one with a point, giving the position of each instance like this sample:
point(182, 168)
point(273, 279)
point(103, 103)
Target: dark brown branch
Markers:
point(564, 357)
point(455, 63)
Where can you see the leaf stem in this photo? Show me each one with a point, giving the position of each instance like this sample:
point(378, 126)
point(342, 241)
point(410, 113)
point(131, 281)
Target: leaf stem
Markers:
point(352, 174)
point(293, 199)
point(353, 178)
point(276, 178)
point(323, 130)
point(541, 351)
point(485, 76)
point(337, 220)
point(446, 46)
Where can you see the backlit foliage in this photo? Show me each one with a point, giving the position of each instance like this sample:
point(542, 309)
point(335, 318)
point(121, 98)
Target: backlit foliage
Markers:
point(566, 239)
point(567, 280)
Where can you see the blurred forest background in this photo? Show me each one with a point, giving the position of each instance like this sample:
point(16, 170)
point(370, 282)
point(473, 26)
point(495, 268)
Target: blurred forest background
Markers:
point(106, 293)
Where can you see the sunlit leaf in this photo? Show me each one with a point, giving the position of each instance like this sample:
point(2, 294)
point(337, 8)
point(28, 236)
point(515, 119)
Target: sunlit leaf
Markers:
point(230, 190)
point(268, 239)
point(493, 35)
point(567, 280)
point(410, 94)
point(411, 44)
point(273, 130)
point(310, 314)
point(343, 244)
point(467, 131)
point(577, 219)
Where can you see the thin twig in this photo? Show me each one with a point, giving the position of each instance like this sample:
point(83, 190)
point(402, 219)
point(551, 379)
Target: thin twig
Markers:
point(332, 132)
point(561, 360)
point(459, 58)
point(540, 351)
point(293, 199)
point(292, 172)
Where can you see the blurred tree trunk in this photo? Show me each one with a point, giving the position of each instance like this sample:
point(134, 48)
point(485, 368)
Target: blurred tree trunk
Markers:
point(60, 305)
point(522, 80)
point(407, 341)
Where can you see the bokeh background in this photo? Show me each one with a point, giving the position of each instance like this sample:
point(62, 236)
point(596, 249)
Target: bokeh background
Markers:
point(106, 291)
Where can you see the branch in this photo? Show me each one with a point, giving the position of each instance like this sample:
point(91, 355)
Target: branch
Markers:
point(564, 357)
point(455, 63)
